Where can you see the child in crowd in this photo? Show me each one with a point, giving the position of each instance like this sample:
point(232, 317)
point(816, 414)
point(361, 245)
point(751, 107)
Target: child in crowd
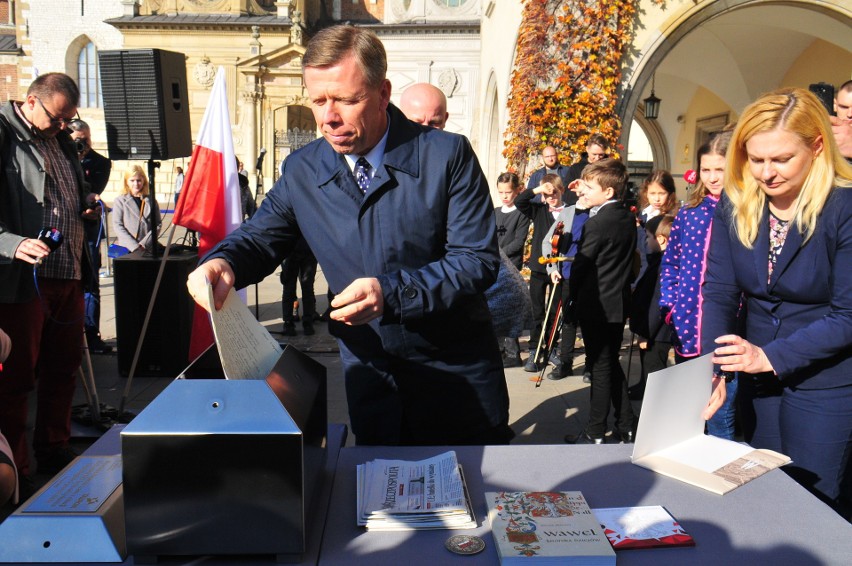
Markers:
point(600, 289)
point(656, 196)
point(542, 215)
point(655, 336)
point(573, 218)
point(684, 261)
point(512, 229)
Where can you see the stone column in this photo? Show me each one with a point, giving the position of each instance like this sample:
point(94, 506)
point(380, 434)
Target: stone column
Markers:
point(250, 100)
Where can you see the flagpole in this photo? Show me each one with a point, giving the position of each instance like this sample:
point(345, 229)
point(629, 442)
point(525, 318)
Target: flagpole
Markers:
point(145, 322)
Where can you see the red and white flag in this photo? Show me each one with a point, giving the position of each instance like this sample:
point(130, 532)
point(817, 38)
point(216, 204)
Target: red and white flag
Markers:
point(210, 198)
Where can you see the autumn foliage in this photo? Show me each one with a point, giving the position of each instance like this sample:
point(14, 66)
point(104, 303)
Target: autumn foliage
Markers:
point(567, 73)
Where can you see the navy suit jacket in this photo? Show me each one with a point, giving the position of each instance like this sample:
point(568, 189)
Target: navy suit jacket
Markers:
point(602, 270)
point(425, 229)
point(802, 315)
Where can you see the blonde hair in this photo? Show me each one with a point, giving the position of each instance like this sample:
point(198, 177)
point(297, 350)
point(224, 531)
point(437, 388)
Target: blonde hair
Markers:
point(130, 172)
point(554, 180)
point(800, 113)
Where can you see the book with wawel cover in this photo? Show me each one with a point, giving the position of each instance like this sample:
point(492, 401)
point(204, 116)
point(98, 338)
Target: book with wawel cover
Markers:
point(546, 527)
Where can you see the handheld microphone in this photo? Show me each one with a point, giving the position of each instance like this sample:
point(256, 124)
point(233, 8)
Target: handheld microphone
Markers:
point(50, 236)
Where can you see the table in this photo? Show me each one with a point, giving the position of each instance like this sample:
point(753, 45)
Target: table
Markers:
point(110, 444)
point(771, 520)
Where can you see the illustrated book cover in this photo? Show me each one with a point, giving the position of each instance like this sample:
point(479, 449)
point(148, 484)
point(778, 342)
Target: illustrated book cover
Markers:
point(551, 527)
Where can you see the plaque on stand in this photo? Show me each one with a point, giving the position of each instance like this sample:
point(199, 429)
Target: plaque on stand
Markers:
point(77, 517)
point(226, 467)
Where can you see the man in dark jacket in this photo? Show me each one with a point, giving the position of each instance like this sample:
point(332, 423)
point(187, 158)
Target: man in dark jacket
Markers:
point(399, 216)
point(550, 157)
point(96, 170)
point(41, 186)
point(596, 149)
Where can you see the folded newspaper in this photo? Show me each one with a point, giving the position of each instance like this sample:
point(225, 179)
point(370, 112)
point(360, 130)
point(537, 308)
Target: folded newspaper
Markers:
point(396, 495)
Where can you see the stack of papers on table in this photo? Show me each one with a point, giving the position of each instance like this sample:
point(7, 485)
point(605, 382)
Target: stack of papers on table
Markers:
point(397, 495)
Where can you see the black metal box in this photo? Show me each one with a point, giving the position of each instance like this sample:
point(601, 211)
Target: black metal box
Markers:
point(219, 467)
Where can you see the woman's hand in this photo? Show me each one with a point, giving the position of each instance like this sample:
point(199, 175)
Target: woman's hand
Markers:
point(740, 355)
point(717, 398)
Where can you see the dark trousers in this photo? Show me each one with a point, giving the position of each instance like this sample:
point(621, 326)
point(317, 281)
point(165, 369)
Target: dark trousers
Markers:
point(93, 295)
point(812, 426)
point(421, 400)
point(301, 268)
point(511, 347)
point(568, 330)
point(539, 284)
point(609, 385)
point(47, 335)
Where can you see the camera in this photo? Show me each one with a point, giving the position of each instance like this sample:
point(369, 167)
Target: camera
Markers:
point(81, 146)
point(825, 93)
point(50, 236)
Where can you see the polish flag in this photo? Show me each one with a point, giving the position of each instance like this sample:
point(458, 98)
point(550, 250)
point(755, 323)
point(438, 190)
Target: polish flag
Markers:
point(210, 198)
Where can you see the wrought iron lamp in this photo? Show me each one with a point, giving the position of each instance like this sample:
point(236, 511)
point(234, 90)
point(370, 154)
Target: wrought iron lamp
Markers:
point(652, 103)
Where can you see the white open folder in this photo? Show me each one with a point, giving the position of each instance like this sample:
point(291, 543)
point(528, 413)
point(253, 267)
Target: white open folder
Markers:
point(670, 439)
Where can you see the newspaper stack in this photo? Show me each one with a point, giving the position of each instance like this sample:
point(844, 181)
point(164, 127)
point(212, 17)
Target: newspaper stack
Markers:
point(396, 495)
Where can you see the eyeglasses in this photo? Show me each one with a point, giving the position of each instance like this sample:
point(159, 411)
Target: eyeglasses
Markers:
point(61, 122)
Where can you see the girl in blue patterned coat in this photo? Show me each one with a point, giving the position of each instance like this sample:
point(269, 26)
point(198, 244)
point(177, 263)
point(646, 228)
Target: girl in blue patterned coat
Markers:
point(682, 268)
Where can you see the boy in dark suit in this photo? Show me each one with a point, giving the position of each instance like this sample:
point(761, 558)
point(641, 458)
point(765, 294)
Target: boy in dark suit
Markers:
point(600, 287)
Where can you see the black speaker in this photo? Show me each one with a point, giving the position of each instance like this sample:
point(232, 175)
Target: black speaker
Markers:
point(146, 105)
point(165, 350)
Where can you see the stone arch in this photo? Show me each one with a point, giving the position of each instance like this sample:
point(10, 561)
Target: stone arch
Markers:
point(679, 26)
point(656, 138)
point(72, 52)
point(490, 134)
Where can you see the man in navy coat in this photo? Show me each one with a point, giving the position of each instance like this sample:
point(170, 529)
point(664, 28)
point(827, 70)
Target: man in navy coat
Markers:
point(400, 218)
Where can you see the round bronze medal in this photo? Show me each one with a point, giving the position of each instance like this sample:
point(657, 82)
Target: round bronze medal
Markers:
point(465, 544)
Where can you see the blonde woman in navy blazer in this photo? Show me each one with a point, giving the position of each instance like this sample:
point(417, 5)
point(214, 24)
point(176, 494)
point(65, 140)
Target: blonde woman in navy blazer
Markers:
point(132, 210)
point(782, 241)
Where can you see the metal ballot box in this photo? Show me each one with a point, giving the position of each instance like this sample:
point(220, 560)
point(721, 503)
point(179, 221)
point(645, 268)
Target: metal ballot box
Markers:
point(214, 466)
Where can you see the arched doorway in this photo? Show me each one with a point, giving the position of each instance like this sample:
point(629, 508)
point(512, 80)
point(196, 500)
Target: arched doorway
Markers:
point(294, 127)
point(710, 61)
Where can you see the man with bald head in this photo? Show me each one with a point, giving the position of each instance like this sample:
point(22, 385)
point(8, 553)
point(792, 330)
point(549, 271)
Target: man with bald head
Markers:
point(425, 104)
point(550, 158)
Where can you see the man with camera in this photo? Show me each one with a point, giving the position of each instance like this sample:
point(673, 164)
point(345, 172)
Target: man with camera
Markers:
point(42, 278)
point(96, 169)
